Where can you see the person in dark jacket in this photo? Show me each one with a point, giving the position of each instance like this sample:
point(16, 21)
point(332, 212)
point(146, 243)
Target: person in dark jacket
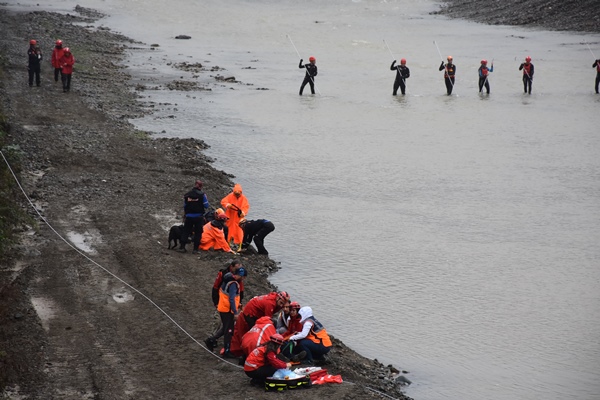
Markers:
point(195, 203)
point(34, 63)
point(596, 65)
point(449, 73)
point(402, 74)
point(311, 72)
point(256, 230)
point(484, 73)
point(527, 68)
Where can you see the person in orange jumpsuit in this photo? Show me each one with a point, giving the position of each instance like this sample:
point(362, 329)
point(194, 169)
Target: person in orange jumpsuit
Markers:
point(259, 306)
point(213, 235)
point(236, 207)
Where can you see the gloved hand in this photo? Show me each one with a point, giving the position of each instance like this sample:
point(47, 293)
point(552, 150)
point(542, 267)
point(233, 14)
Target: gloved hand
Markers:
point(227, 205)
point(301, 61)
point(242, 215)
point(442, 64)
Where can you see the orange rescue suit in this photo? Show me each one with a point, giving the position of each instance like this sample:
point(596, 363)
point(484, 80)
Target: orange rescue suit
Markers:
point(214, 237)
point(238, 209)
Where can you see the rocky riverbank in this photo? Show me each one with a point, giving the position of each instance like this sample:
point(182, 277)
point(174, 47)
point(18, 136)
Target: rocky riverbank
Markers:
point(556, 15)
point(69, 328)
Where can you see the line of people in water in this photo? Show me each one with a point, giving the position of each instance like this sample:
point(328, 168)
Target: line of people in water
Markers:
point(449, 68)
point(269, 332)
point(225, 228)
point(62, 61)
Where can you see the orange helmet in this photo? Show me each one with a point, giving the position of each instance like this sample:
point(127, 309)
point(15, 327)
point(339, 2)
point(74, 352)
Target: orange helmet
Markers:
point(449, 58)
point(311, 58)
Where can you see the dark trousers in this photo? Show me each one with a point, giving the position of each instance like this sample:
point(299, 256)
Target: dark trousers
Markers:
point(66, 82)
point(313, 350)
point(261, 374)
point(309, 80)
point(483, 81)
point(399, 83)
point(597, 81)
point(57, 71)
point(259, 238)
point(192, 224)
point(34, 71)
point(227, 322)
point(527, 81)
point(449, 85)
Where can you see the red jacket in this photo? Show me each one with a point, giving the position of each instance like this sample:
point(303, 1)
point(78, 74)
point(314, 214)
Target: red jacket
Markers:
point(67, 61)
point(262, 306)
point(57, 54)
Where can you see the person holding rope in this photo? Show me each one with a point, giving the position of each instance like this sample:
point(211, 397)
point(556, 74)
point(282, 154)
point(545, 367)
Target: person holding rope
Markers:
point(402, 74)
point(596, 65)
point(449, 72)
point(311, 72)
point(236, 207)
point(527, 68)
point(484, 72)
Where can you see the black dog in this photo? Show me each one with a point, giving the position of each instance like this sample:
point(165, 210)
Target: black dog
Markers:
point(175, 235)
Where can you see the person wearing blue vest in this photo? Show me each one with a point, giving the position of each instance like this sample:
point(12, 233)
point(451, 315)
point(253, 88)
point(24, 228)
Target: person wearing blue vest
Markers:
point(256, 230)
point(195, 204)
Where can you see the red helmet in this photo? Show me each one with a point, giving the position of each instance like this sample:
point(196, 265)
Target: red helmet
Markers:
point(67, 50)
point(283, 296)
point(32, 41)
point(528, 58)
point(294, 305)
point(311, 58)
point(59, 42)
point(484, 62)
point(277, 338)
point(198, 183)
point(403, 61)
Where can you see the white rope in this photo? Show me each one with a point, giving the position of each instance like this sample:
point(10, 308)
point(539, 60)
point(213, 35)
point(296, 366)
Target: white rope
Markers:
point(105, 269)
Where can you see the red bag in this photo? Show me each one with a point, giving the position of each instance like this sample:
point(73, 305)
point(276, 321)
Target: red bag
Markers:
point(328, 379)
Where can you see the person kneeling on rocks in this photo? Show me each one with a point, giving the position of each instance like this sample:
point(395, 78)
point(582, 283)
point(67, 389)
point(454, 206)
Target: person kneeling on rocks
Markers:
point(262, 362)
point(213, 235)
point(313, 339)
point(256, 230)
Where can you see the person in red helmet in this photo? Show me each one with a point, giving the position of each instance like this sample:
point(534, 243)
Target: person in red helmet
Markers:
point(484, 72)
point(260, 306)
point(57, 54)
point(449, 74)
point(311, 72)
point(402, 74)
point(195, 204)
point(527, 68)
point(67, 61)
point(596, 65)
point(263, 362)
point(34, 55)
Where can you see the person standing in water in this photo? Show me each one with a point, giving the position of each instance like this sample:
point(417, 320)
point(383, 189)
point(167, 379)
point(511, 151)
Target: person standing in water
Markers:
point(527, 68)
point(596, 65)
point(311, 72)
point(449, 72)
point(402, 74)
point(484, 72)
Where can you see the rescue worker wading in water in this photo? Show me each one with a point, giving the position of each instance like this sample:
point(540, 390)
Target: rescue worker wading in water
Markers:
point(402, 74)
point(596, 65)
point(484, 72)
point(527, 68)
point(449, 73)
point(311, 72)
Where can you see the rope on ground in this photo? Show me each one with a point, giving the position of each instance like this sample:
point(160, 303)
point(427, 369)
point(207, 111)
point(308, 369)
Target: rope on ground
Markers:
point(105, 269)
point(131, 287)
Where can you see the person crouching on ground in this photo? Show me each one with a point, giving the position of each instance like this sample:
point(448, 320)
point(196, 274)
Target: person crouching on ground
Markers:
point(67, 61)
point(263, 362)
point(213, 235)
point(257, 231)
point(313, 339)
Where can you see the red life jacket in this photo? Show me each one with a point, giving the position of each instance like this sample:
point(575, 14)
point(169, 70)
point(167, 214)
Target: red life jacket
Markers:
point(484, 71)
point(527, 69)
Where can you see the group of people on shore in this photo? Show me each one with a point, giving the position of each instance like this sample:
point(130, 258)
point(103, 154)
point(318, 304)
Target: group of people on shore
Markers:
point(225, 228)
point(449, 68)
point(270, 332)
point(62, 61)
